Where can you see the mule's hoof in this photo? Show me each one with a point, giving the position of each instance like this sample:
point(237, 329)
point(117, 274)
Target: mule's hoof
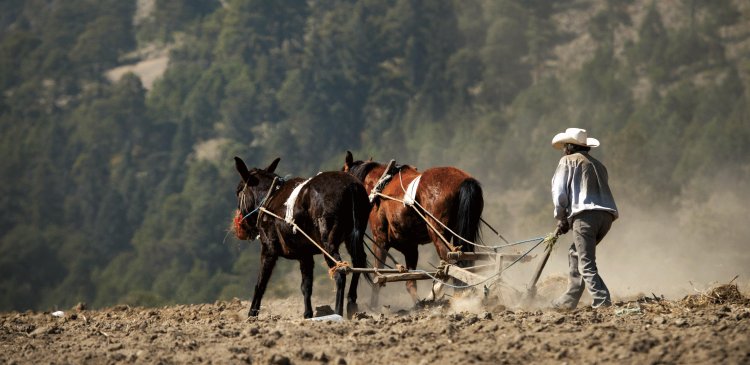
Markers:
point(253, 312)
point(351, 309)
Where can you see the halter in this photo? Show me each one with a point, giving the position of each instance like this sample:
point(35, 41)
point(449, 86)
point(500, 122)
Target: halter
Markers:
point(271, 190)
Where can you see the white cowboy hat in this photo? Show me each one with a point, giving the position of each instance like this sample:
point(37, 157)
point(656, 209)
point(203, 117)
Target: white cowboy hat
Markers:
point(576, 136)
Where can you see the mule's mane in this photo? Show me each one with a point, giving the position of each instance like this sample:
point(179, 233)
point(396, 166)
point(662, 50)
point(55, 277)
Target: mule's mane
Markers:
point(361, 171)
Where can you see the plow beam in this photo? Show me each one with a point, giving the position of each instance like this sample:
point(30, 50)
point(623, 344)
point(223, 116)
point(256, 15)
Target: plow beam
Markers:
point(382, 279)
point(464, 275)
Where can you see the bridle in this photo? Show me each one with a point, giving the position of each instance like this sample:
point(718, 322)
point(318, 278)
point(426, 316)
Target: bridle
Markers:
point(275, 185)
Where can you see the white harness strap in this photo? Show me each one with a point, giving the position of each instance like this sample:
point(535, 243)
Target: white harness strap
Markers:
point(289, 217)
point(411, 192)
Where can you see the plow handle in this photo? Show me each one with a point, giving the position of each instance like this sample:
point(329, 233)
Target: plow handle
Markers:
point(540, 267)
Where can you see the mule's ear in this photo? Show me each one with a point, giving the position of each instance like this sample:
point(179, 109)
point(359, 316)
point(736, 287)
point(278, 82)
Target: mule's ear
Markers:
point(349, 160)
point(272, 167)
point(248, 178)
point(241, 168)
point(369, 159)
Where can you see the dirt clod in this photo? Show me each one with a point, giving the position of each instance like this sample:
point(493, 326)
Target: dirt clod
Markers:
point(277, 359)
point(324, 310)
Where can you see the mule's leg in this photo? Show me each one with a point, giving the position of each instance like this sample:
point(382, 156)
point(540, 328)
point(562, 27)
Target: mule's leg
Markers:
point(356, 250)
point(411, 256)
point(331, 240)
point(442, 251)
point(340, 279)
point(441, 246)
point(380, 254)
point(267, 264)
point(306, 266)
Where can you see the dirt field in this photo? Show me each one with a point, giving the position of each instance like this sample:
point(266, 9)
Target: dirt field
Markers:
point(640, 331)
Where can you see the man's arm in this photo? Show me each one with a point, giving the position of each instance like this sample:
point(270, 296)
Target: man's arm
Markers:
point(560, 191)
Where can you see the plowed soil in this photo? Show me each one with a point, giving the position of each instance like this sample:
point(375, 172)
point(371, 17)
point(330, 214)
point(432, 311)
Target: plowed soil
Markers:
point(639, 331)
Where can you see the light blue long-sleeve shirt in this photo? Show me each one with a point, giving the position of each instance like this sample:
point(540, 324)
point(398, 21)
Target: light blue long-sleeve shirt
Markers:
point(580, 183)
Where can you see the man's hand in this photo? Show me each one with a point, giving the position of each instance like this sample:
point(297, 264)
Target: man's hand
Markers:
point(562, 227)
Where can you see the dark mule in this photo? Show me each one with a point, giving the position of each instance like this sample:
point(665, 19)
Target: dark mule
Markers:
point(449, 194)
point(331, 207)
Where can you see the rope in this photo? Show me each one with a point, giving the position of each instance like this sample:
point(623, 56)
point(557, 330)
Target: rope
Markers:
point(377, 258)
point(339, 264)
point(517, 243)
point(524, 255)
point(447, 244)
point(437, 220)
point(494, 230)
point(388, 254)
point(550, 239)
point(435, 278)
point(343, 264)
point(508, 244)
point(446, 241)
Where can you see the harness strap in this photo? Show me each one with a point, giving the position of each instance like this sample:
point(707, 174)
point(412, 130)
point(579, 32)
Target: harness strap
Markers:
point(410, 195)
point(271, 190)
point(383, 181)
point(291, 200)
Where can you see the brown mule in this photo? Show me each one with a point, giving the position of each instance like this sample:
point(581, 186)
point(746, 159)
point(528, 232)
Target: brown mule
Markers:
point(449, 194)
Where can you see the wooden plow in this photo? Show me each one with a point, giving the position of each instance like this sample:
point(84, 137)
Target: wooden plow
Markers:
point(449, 270)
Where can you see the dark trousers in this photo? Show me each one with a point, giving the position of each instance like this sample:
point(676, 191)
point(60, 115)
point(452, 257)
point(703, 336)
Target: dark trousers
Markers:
point(589, 228)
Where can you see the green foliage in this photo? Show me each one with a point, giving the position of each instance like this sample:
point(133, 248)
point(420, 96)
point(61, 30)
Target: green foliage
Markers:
point(170, 16)
point(93, 48)
point(15, 47)
point(29, 265)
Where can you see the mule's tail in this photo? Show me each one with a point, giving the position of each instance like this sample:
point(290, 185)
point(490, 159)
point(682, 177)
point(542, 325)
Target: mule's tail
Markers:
point(470, 206)
point(356, 246)
point(360, 212)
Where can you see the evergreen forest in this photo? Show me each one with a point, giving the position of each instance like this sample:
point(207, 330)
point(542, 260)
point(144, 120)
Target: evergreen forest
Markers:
point(114, 190)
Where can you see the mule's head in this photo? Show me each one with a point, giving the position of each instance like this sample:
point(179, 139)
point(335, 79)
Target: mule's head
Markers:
point(356, 168)
point(251, 190)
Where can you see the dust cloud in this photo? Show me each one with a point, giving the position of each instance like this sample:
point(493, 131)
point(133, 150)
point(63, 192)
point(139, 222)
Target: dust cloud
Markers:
point(695, 242)
point(698, 243)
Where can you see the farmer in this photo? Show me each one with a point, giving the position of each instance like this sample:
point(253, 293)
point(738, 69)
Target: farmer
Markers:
point(583, 202)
